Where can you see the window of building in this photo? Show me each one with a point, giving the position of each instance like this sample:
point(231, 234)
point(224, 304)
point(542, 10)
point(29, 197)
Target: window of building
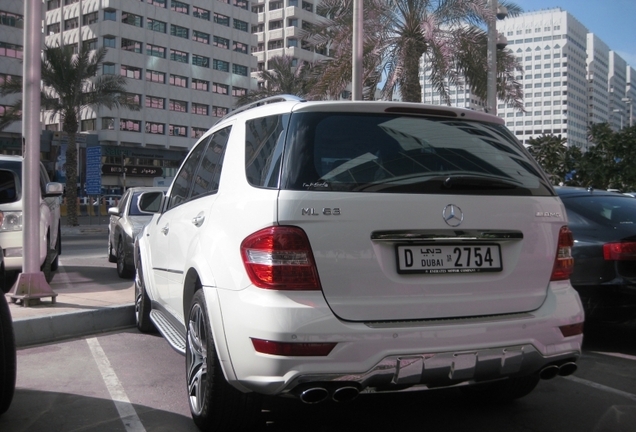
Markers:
point(155, 51)
point(220, 88)
point(110, 41)
point(131, 72)
point(196, 132)
point(88, 125)
point(274, 5)
point(258, 28)
point(131, 45)
point(239, 69)
point(199, 36)
point(52, 4)
point(199, 60)
point(240, 47)
point(308, 6)
point(177, 105)
point(221, 65)
point(241, 25)
point(179, 31)
point(219, 111)
point(130, 125)
point(275, 44)
point(292, 22)
point(221, 42)
point(258, 8)
point(155, 102)
point(200, 109)
point(132, 99)
point(156, 25)
point(176, 130)
point(155, 128)
point(132, 19)
point(180, 7)
point(292, 43)
point(199, 84)
point(158, 3)
point(273, 25)
point(178, 56)
point(53, 28)
point(110, 15)
point(178, 80)
point(155, 76)
point(71, 23)
point(108, 69)
point(221, 19)
point(201, 13)
point(108, 123)
point(90, 18)
point(90, 44)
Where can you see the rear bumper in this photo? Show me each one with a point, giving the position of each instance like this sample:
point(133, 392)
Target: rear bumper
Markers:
point(387, 355)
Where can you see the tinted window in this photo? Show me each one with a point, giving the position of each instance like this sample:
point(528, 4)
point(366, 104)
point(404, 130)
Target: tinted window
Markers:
point(605, 210)
point(264, 138)
point(182, 184)
point(8, 187)
point(208, 174)
point(403, 154)
point(134, 205)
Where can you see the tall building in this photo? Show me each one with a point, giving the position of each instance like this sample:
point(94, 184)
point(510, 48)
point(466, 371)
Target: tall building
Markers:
point(279, 30)
point(11, 52)
point(186, 62)
point(551, 45)
point(598, 79)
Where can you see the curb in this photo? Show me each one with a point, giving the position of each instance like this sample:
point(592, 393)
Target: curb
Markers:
point(47, 329)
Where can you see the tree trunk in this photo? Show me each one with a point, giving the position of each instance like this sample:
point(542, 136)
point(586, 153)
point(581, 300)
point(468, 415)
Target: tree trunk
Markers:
point(71, 171)
point(411, 88)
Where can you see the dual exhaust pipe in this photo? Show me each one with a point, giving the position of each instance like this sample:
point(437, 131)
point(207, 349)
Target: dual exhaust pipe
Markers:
point(553, 370)
point(318, 393)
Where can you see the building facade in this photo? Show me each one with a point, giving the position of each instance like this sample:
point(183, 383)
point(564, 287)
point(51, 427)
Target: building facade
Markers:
point(186, 62)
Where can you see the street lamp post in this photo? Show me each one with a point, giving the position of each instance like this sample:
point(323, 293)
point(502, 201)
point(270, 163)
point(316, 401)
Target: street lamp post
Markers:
point(619, 111)
point(628, 101)
point(494, 41)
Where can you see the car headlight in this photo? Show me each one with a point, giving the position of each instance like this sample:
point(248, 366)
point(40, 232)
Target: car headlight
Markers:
point(12, 221)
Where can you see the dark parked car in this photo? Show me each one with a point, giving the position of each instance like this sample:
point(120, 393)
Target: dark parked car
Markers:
point(604, 228)
point(126, 220)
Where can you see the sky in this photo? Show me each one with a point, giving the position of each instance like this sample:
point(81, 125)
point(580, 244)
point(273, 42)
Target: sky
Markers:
point(613, 21)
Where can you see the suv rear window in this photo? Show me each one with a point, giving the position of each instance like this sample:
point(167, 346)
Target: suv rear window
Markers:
point(406, 154)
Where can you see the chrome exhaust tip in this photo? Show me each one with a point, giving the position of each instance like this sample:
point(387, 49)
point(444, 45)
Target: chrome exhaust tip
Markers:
point(345, 394)
point(549, 372)
point(567, 368)
point(314, 395)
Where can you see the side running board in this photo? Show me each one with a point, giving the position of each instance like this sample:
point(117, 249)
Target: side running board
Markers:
point(175, 338)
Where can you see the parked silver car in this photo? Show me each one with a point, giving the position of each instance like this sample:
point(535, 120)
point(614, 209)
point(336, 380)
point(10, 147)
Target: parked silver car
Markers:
point(126, 220)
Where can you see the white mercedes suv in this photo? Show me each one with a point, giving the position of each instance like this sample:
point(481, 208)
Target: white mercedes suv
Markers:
point(324, 249)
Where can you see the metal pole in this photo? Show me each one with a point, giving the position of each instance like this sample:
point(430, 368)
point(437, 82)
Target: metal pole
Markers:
point(492, 59)
point(31, 283)
point(357, 48)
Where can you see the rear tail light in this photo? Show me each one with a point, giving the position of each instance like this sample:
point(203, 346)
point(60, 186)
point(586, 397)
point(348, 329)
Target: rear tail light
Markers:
point(292, 349)
point(280, 258)
point(563, 263)
point(619, 251)
point(571, 329)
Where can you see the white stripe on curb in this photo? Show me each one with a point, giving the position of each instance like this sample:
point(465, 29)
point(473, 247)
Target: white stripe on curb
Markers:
point(601, 387)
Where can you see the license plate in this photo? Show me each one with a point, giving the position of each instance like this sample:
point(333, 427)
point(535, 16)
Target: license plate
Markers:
point(450, 258)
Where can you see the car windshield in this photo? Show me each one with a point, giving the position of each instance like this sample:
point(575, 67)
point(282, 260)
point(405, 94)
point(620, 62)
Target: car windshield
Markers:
point(8, 187)
point(607, 210)
point(406, 154)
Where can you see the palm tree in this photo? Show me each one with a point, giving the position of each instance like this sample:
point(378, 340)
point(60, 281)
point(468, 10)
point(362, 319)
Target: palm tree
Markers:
point(551, 153)
point(281, 77)
point(70, 85)
point(397, 33)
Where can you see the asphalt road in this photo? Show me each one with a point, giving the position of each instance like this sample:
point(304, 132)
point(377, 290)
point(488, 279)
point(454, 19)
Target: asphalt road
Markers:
point(133, 382)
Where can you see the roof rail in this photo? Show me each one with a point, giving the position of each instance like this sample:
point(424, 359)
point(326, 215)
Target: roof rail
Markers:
point(265, 101)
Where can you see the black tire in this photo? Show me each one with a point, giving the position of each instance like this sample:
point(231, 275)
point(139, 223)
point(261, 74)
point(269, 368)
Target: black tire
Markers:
point(502, 391)
point(111, 257)
point(7, 279)
point(58, 249)
point(214, 404)
point(125, 271)
point(142, 305)
point(7, 357)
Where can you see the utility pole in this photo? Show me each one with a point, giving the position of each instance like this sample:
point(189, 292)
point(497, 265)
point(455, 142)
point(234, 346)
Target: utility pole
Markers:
point(357, 49)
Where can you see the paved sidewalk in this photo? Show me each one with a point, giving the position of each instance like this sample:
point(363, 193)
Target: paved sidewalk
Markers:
point(90, 299)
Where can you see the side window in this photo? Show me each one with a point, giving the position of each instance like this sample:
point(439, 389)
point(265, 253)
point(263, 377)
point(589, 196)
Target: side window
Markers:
point(264, 138)
point(44, 179)
point(207, 177)
point(182, 183)
point(8, 189)
point(123, 201)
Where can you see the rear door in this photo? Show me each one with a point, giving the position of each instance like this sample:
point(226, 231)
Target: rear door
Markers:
point(415, 218)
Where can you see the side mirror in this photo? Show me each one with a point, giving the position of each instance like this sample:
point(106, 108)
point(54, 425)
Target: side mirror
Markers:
point(53, 189)
point(113, 211)
point(151, 202)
